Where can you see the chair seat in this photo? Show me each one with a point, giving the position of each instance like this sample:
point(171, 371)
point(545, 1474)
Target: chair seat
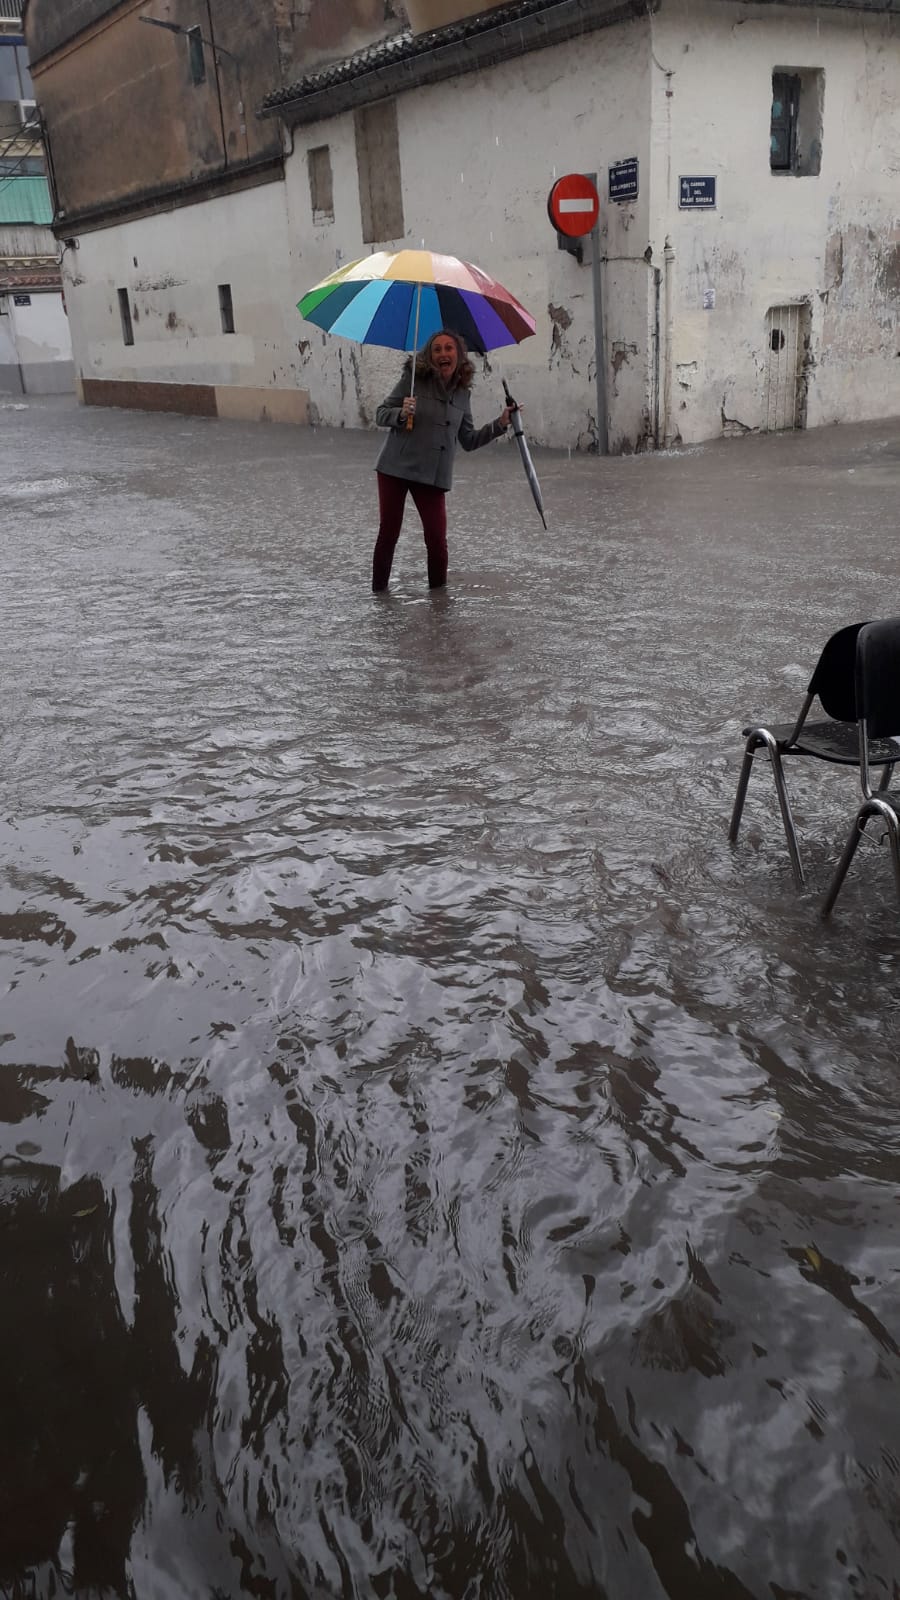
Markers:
point(831, 741)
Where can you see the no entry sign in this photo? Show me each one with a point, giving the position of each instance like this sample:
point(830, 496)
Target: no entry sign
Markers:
point(574, 205)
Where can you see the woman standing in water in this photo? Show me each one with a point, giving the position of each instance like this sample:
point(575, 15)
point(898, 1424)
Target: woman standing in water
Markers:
point(420, 461)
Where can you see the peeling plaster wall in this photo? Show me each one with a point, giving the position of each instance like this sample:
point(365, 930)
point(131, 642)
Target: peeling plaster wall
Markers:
point(478, 158)
point(172, 265)
point(832, 241)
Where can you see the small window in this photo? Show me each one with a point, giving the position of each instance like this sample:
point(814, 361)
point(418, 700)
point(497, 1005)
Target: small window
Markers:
point(795, 131)
point(125, 314)
point(321, 184)
point(196, 55)
point(226, 309)
point(378, 164)
point(25, 166)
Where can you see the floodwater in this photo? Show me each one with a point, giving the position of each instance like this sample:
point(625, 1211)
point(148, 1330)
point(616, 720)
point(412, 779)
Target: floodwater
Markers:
point(433, 1162)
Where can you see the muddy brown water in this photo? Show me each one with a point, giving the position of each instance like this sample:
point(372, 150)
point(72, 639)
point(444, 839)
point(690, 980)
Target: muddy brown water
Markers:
point(432, 1163)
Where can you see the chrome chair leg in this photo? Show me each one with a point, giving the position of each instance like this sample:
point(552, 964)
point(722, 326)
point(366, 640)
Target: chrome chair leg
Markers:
point(759, 738)
point(746, 768)
point(843, 866)
point(886, 813)
point(888, 816)
point(786, 813)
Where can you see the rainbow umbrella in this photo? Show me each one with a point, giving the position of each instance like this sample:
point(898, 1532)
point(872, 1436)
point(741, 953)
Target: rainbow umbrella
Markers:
point(398, 301)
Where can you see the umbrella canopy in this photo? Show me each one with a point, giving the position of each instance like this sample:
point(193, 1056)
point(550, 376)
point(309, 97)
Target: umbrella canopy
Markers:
point(399, 300)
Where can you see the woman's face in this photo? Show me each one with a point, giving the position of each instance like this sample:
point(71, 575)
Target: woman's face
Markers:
point(444, 356)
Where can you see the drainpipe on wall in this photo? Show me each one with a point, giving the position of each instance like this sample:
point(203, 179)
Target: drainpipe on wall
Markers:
point(657, 351)
point(669, 256)
point(215, 56)
point(599, 336)
point(51, 167)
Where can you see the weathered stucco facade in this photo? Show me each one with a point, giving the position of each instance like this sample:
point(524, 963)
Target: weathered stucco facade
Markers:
point(172, 267)
point(772, 302)
point(488, 204)
point(827, 245)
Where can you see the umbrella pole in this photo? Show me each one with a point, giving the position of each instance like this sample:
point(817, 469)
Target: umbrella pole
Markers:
point(412, 392)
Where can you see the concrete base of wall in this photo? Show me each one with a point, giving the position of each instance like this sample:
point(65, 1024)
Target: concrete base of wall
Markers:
point(49, 377)
point(11, 379)
point(198, 399)
point(263, 405)
point(193, 399)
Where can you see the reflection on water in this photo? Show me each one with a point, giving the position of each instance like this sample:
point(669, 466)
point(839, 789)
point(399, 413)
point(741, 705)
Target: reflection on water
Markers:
point(432, 1163)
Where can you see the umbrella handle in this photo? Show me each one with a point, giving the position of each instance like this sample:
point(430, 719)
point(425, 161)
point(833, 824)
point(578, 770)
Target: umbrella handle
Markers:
point(513, 404)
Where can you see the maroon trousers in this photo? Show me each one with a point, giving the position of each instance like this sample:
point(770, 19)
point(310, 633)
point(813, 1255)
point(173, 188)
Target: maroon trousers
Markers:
point(430, 504)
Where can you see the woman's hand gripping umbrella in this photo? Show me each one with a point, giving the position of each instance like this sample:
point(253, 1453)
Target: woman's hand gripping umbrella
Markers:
point(524, 452)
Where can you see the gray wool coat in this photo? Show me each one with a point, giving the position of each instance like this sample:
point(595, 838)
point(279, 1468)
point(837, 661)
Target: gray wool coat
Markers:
point(443, 416)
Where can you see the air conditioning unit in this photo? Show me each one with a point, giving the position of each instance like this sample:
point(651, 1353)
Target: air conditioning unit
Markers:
point(28, 111)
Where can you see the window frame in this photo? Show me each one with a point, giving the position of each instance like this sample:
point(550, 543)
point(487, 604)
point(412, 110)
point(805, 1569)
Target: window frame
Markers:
point(798, 129)
point(125, 316)
point(786, 90)
point(196, 56)
point(377, 140)
point(226, 308)
point(321, 183)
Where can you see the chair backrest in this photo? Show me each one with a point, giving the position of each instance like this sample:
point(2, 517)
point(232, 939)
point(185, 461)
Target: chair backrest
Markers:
point(878, 677)
point(834, 679)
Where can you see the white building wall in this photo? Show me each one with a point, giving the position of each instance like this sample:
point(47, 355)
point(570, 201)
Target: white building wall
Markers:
point(35, 343)
point(687, 91)
point(172, 265)
point(831, 241)
point(10, 370)
point(479, 155)
point(42, 337)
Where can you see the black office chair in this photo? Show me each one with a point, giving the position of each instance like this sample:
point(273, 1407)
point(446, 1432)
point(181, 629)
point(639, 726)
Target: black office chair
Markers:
point(878, 707)
point(836, 740)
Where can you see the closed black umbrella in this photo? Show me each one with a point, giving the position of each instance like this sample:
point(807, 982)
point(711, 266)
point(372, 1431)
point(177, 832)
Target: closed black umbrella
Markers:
point(525, 453)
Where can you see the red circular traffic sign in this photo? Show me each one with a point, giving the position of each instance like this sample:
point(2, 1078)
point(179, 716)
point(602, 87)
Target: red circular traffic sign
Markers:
point(574, 205)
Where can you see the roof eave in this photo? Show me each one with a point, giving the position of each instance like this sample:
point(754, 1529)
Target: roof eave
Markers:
point(449, 56)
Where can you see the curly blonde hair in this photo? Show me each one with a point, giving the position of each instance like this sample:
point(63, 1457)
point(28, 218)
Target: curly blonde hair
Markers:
point(465, 370)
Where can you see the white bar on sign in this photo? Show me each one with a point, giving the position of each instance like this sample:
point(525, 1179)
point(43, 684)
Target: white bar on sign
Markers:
point(575, 205)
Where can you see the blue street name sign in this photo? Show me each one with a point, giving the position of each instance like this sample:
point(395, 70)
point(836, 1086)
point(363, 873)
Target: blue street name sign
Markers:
point(623, 180)
point(696, 194)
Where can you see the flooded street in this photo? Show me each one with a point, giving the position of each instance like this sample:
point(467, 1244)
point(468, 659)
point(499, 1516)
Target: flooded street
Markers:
point(434, 1163)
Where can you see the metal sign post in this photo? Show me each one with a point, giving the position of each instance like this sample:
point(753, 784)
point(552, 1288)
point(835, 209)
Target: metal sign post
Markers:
point(574, 209)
